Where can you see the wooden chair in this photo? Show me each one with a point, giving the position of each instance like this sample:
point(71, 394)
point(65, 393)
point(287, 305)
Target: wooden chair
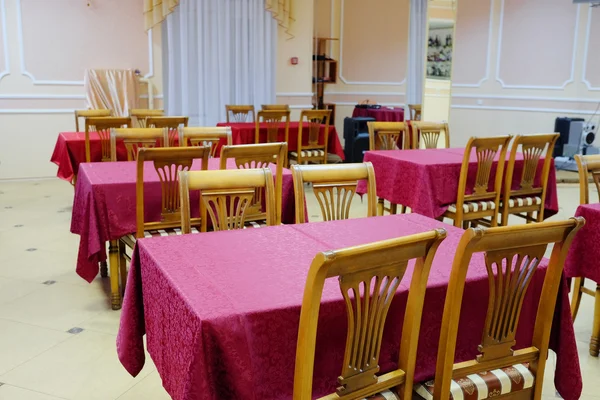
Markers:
point(171, 123)
point(90, 113)
point(240, 113)
point(168, 162)
point(415, 112)
point(588, 165)
point(314, 151)
point(479, 202)
point(275, 107)
point(388, 135)
point(209, 136)
point(334, 187)
point(135, 139)
point(512, 255)
point(380, 267)
point(527, 198)
point(141, 114)
point(429, 133)
point(225, 197)
point(103, 126)
point(273, 120)
point(259, 156)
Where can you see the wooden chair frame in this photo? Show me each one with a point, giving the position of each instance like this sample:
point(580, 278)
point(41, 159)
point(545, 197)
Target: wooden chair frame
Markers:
point(588, 165)
point(486, 150)
point(414, 111)
point(171, 123)
point(429, 133)
point(315, 120)
point(533, 148)
point(141, 114)
point(527, 244)
point(273, 120)
point(385, 262)
point(259, 156)
point(203, 136)
point(135, 139)
point(239, 113)
point(275, 107)
point(103, 126)
point(335, 205)
point(221, 192)
point(386, 135)
point(90, 113)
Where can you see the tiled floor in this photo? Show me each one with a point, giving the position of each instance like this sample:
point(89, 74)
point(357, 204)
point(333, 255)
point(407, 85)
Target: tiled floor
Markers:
point(57, 332)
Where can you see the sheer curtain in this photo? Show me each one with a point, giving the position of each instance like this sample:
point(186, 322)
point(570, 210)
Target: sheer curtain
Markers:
point(417, 50)
point(218, 52)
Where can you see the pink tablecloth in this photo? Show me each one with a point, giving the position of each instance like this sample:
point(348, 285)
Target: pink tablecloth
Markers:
point(243, 133)
point(584, 256)
point(394, 114)
point(69, 152)
point(223, 324)
point(427, 180)
point(105, 202)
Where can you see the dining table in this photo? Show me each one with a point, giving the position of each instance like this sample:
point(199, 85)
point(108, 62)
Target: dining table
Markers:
point(244, 133)
point(426, 180)
point(383, 113)
point(220, 312)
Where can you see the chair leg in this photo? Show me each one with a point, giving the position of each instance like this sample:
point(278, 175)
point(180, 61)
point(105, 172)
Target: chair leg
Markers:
point(380, 206)
point(465, 224)
point(576, 299)
point(402, 209)
point(122, 267)
point(103, 269)
point(529, 217)
point(115, 295)
point(393, 208)
point(595, 339)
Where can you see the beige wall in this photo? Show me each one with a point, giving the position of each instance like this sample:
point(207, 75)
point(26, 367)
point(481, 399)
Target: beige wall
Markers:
point(45, 46)
point(520, 64)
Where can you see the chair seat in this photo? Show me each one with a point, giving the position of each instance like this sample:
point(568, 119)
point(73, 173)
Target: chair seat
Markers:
point(483, 385)
point(474, 206)
point(308, 153)
point(524, 201)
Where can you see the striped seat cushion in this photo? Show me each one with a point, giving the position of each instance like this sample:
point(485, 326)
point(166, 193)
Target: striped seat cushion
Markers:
point(524, 201)
point(177, 231)
point(484, 385)
point(474, 206)
point(309, 153)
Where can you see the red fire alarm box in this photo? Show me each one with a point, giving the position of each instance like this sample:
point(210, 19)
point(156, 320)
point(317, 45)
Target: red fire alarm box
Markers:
point(294, 60)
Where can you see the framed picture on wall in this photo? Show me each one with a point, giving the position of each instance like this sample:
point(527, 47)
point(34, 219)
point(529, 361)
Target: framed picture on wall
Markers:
point(439, 53)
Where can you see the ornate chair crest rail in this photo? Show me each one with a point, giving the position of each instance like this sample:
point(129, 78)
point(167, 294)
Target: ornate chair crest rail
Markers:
point(273, 121)
point(429, 134)
point(172, 123)
point(388, 135)
point(205, 136)
point(311, 123)
point(102, 126)
point(90, 113)
point(275, 107)
point(141, 114)
point(240, 113)
point(135, 139)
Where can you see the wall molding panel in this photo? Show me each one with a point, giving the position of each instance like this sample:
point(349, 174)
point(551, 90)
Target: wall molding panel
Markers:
point(6, 68)
point(528, 109)
point(571, 79)
point(586, 48)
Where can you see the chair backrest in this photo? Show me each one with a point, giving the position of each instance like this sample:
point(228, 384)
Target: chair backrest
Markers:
point(487, 150)
point(334, 187)
point(90, 113)
point(205, 136)
point(275, 107)
point(311, 122)
point(533, 148)
point(368, 276)
point(248, 156)
point(588, 165)
point(429, 134)
point(141, 114)
point(168, 162)
point(135, 139)
point(388, 135)
point(512, 255)
point(225, 196)
point(241, 113)
point(171, 123)
point(273, 121)
point(415, 112)
point(103, 126)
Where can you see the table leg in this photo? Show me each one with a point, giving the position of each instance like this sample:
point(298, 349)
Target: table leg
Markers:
point(393, 208)
point(122, 266)
point(380, 206)
point(576, 299)
point(103, 269)
point(595, 340)
point(113, 256)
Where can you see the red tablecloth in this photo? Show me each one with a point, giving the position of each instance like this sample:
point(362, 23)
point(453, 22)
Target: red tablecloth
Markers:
point(223, 324)
point(427, 180)
point(105, 202)
point(69, 152)
point(243, 133)
point(584, 256)
point(394, 114)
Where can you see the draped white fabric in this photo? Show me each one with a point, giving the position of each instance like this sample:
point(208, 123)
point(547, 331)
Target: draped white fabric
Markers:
point(417, 50)
point(218, 52)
